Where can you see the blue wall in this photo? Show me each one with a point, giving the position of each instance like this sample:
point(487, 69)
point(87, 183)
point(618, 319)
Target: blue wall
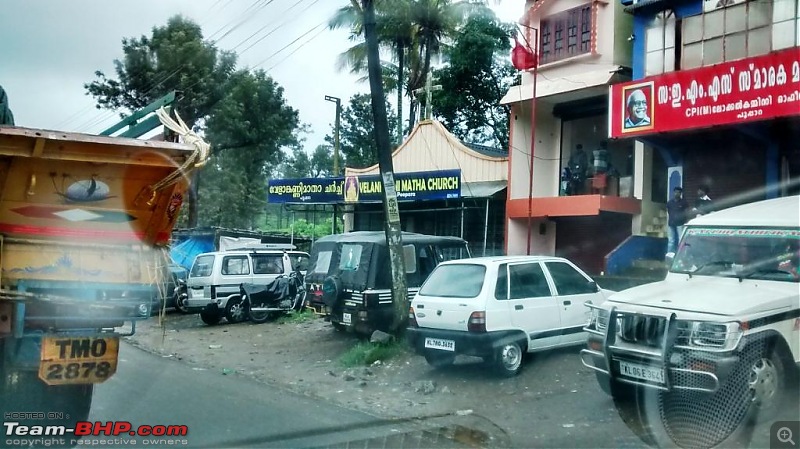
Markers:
point(640, 22)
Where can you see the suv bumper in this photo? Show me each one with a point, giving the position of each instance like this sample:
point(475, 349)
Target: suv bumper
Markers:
point(665, 366)
point(465, 343)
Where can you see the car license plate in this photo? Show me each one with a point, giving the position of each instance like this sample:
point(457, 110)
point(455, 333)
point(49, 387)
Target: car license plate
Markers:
point(437, 343)
point(347, 319)
point(78, 360)
point(641, 372)
point(196, 293)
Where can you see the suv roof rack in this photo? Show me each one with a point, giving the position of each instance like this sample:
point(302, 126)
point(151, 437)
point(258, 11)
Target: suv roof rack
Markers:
point(265, 246)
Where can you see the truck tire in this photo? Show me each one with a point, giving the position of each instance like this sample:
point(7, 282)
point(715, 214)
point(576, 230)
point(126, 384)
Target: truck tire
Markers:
point(23, 391)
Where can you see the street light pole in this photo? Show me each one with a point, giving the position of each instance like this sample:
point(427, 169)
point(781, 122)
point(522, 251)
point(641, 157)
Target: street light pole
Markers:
point(535, 39)
point(336, 133)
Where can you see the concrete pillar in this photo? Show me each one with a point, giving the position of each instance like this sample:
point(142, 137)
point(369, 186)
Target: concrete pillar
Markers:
point(642, 171)
point(642, 185)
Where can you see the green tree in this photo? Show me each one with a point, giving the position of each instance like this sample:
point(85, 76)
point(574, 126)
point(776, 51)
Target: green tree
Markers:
point(356, 139)
point(300, 165)
point(413, 31)
point(474, 81)
point(250, 129)
point(174, 57)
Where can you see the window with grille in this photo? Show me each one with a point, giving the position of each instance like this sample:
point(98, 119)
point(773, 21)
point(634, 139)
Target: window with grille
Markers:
point(742, 29)
point(661, 40)
point(566, 34)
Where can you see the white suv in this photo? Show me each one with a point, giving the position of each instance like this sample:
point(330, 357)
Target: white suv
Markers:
point(215, 278)
point(498, 308)
point(693, 359)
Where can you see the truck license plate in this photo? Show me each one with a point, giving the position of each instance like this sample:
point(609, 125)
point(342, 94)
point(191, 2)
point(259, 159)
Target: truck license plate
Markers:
point(438, 343)
point(78, 360)
point(641, 372)
point(347, 319)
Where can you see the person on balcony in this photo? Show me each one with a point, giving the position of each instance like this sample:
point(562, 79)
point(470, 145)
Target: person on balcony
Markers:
point(578, 167)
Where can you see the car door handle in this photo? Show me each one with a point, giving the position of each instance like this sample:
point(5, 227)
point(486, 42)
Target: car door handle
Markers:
point(518, 307)
point(566, 303)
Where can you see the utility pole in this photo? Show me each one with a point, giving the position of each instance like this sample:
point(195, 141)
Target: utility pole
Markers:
point(394, 237)
point(336, 133)
point(428, 91)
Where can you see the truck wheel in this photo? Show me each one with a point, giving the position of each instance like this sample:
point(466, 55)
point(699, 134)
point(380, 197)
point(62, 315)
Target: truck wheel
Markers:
point(24, 391)
point(180, 304)
point(234, 310)
point(508, 359)
point(210, 317)
point(439, 359)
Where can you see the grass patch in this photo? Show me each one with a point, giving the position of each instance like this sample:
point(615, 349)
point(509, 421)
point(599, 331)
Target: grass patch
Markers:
point(366, 353)
point(297, 317)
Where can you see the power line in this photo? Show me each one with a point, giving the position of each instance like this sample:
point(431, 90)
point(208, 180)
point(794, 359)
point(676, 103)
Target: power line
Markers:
point(290, 44)
point(276, 28)
point(295, 50)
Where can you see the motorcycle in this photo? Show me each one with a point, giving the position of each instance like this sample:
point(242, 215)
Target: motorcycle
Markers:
point(284, 294)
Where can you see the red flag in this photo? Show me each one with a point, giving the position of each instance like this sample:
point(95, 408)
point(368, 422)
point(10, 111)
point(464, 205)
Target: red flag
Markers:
point(522, 57)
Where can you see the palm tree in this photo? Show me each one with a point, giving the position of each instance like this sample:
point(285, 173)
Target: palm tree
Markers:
point(413, 30)
point(394, 31)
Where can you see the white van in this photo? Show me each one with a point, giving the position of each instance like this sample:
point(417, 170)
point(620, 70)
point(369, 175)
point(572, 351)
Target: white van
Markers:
point(215, 278)
point(716, 344)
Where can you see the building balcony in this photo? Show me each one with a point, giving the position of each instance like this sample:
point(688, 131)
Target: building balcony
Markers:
point(573, 206)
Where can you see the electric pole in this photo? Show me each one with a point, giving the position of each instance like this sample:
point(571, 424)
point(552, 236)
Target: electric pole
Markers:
point(394, 237)
point(336, 133)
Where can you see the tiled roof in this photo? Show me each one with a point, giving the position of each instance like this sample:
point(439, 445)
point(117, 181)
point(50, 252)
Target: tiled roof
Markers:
point(487, 151)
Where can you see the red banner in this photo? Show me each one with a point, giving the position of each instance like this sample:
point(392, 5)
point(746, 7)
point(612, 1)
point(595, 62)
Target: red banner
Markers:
point(740, 91)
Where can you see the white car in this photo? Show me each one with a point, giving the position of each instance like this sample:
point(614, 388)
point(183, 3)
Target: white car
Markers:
point(215, 278)
point(498, 308)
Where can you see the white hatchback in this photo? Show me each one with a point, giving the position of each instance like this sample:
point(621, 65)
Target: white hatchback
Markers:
point(498, 308)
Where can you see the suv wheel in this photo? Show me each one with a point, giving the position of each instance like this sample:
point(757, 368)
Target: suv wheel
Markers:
point(508, 359)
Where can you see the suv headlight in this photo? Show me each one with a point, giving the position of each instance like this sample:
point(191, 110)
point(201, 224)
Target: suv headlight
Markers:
point(711, 335)
point(598, 318)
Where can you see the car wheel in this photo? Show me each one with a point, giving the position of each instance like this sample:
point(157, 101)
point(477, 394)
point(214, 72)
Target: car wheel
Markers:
point(180, 304)
point(234, 310)
point(210, 317)
point(508, 359)
point(438, 359)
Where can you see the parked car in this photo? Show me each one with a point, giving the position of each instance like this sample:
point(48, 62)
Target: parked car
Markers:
point(499, 308)
point(215, 278)
point(350, 277)
point(717, 343)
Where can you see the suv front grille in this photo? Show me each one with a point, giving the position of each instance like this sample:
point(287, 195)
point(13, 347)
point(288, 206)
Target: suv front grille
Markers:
point(644, 330)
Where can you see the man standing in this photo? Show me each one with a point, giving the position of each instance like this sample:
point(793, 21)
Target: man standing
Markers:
point(703, 205)
point(676, 210)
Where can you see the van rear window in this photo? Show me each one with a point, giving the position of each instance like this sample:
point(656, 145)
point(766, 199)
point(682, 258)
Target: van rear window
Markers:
point(202, 266)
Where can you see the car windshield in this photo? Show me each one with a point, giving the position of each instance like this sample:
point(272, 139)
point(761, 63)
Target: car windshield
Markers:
point(742, 252)
point(455, 281)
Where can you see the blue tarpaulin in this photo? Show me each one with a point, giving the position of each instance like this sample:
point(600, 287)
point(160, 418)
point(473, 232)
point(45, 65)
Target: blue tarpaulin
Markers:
point(184, 252)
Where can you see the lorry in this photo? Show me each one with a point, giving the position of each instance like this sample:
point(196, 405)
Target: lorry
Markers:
point(702, 357)
point(84, 225)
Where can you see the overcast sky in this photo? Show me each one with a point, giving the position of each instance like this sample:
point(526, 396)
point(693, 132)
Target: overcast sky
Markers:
point(50, 48)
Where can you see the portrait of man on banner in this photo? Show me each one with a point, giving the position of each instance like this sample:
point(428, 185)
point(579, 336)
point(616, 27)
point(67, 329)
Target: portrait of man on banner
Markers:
point(351, 189)
point(638, 106)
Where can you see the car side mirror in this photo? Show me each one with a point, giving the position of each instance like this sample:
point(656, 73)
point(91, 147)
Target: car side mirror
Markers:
point(593, 286)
